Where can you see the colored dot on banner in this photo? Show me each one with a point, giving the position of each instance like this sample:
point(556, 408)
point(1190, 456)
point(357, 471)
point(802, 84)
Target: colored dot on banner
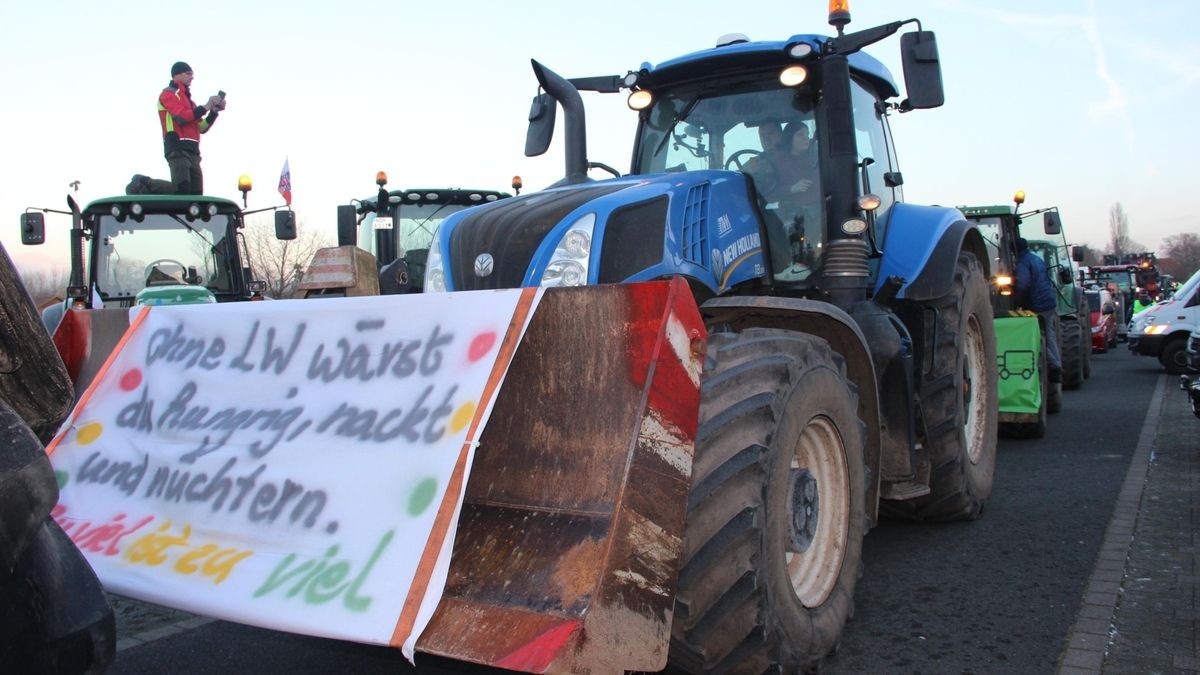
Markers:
point(422, 497)
point(89, 433)
point(481, 345)
point(462, 417)
point(131, 380)
point(63, 478)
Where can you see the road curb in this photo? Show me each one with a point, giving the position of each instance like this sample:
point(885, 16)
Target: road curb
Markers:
point(1092, 631)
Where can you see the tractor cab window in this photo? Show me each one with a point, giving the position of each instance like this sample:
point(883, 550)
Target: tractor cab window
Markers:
point(1001, 249)
point(410, 232)
point(760, 130)
point(163, 249)
point(874, 150)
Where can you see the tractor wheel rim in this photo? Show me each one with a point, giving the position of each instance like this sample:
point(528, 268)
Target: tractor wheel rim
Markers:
point(974, 401)
point(819, 503)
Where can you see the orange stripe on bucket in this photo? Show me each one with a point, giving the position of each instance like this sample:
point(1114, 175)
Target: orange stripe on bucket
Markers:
point(441, 524)
point(87, 394)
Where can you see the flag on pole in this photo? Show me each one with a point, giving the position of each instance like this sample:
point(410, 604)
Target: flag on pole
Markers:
point(285, 183)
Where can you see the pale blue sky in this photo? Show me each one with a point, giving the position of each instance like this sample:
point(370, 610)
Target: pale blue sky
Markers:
point(1081, 104)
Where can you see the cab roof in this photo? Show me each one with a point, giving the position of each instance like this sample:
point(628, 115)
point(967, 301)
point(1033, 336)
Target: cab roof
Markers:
point(160, 200)
point(743, 55)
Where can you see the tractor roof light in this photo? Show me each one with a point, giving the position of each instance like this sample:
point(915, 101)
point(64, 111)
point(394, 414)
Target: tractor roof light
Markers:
point(212, 210)
point(116, 212)
point(640, 100)
point(517, 183)
point(244, 184)
point(1019, 197)
point(380, 178)
point(630, 80)
point(193, 210)
point(799, 50)
point(475, 196)
point(839, 13)
point(793, 76)
point(137, 209)
point(413, 196)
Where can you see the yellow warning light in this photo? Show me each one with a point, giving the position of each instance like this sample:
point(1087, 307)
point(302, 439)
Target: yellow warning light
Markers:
point(839, 13)
point(516, 183)
point(1019, 198)
point(381, 179)
point(244, 183)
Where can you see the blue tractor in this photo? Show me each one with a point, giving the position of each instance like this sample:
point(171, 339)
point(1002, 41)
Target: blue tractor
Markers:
point(850, 364)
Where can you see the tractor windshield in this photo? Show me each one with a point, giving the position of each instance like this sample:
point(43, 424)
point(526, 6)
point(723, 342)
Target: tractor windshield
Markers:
point(413, 225)
point(163, 249)
point(761, 130)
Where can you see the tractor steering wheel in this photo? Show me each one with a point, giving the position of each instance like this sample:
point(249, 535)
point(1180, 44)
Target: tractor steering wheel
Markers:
point(183, 270)
point(736, 159)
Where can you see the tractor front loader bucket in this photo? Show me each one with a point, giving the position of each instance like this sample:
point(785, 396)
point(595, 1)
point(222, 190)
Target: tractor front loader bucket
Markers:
point(571, 530)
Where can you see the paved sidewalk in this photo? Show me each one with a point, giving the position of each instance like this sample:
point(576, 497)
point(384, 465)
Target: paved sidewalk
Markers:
point(1141, 610)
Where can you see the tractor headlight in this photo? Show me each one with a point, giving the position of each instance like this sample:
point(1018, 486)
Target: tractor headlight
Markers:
point(569, 264)
point(435, 269)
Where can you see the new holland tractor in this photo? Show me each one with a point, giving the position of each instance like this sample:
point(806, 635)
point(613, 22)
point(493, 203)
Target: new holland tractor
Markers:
point(850, 363)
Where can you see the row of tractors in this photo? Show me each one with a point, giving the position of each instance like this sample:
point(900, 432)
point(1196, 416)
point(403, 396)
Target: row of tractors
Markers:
point(851, 366)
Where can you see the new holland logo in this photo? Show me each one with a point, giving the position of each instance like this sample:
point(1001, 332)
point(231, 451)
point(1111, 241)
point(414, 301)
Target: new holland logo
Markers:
point(484, 264)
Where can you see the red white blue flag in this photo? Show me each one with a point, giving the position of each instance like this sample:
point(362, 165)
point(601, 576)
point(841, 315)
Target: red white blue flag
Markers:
point(285, 183)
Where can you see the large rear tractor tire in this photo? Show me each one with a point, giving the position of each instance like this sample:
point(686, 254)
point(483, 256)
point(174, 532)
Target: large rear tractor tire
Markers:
point(776, 514)
point(1072, 354)
point(959, 402)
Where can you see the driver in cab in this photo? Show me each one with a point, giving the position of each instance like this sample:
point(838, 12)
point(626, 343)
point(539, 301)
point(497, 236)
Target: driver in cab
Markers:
point(785, 176)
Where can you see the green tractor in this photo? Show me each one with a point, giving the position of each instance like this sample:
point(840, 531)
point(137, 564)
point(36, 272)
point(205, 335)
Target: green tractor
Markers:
point(154, 250)
point(1025, 402)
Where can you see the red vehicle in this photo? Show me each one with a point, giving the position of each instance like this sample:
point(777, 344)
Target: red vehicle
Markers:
point(1104, 319)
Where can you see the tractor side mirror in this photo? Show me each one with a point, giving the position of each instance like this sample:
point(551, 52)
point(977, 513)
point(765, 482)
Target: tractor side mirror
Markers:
point(541, 124)
point(1064, 276)
point(922, 69)
point(33, 229)
point(347, 224)
point(1077, 253)
point(1052, 222)
point(285, 225)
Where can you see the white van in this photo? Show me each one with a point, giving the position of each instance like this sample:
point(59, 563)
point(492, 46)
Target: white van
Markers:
point(1162, 331)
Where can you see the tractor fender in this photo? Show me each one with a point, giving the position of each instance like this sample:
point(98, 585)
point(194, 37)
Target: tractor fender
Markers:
point(922, 246)
point(836, 327)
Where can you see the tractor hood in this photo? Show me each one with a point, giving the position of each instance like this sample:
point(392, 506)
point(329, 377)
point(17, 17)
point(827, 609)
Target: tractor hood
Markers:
point(643, 227)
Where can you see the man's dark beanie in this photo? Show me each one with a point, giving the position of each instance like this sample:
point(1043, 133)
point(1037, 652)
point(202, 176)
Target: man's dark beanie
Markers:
point(180, 67)
point(1022, 244)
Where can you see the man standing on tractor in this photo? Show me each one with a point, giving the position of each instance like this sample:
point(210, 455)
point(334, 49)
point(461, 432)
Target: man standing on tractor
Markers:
point(1034, 291)
point(182, 122)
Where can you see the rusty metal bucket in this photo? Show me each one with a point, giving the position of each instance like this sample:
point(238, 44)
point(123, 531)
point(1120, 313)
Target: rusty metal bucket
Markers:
point(570, 535)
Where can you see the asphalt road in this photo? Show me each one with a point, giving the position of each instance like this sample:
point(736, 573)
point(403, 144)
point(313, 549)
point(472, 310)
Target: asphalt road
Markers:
point(995, 595)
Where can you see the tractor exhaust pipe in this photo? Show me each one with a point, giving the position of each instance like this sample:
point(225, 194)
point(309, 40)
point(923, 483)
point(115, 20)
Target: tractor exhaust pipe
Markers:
point(576, 142)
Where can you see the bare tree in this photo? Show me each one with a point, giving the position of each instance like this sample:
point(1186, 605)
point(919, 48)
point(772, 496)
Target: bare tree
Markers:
point(1119, 242)
point(44, 284)
point(1183, 250)
point(281, 263)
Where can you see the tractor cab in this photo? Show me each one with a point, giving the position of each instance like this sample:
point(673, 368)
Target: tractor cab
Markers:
point(400, 234)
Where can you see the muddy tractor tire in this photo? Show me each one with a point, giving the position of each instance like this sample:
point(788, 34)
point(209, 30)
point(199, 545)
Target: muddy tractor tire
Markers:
point(959, 403)
point(1072, 354)
point(776, 513)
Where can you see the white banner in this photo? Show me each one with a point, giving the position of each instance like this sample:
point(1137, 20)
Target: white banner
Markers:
point(296, 465)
